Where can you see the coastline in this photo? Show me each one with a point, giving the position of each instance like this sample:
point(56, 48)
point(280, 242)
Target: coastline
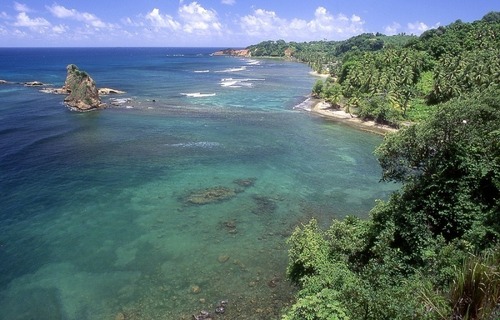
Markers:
point(325, 110)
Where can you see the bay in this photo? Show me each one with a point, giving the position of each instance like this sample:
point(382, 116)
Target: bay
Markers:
point(180, 195)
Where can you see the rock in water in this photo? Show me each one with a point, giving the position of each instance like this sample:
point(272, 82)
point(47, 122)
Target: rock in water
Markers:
point(82, 91)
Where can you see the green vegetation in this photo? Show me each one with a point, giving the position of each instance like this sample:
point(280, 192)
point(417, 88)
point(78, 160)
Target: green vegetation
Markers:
point(398, 79)
point(432, 250)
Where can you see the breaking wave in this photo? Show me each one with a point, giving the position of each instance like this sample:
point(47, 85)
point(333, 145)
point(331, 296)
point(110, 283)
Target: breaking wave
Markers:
point(200, 144)
point(198, 94)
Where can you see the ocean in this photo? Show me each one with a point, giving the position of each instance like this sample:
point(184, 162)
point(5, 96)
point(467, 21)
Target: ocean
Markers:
point(181, 194)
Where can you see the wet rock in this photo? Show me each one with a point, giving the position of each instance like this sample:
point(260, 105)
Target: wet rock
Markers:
point(34, 84)
point(54, 90)
point(107, 91)
point(209, 195)
point(120, 102)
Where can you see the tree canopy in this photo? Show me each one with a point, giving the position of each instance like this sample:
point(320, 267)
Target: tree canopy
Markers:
point(432, 250)
point(396, 83)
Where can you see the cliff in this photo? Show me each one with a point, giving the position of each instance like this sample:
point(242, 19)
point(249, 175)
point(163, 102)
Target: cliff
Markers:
point(233, 52)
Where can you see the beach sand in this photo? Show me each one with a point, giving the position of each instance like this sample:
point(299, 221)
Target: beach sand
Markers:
point(324, 109)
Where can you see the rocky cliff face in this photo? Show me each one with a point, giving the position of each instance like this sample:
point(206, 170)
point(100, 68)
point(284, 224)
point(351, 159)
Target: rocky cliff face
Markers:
point(233, 52)
point(82, 91)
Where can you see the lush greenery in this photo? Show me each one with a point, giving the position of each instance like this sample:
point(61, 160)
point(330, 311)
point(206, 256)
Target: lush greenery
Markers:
point(447, 214)
point(432, 250)
point(397, 79)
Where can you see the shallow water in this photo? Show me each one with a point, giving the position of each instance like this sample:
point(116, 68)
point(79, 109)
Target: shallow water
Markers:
point(101, 214)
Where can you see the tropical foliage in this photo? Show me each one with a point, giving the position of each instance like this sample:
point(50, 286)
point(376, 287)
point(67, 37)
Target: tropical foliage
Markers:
point(384, 78)
point(432, 250)
point(417, 246)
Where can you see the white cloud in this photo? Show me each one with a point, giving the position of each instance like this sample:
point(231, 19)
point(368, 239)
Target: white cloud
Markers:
point(23, 20)
point(355, 18)
point(263, 23)
point(192, 19)
point(158, 20)
point(88, 18)
point(267, 24)
point(199, 20)
point(4, 15)
point(59, 29)
point(228, 2)
point(19, 7)
point(419, 27)
point(392, 29)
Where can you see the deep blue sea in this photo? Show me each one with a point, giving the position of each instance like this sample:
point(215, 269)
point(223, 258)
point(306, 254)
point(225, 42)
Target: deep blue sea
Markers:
point(179, 195)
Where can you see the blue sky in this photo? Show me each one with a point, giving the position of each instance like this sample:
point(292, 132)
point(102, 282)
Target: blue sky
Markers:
point(220, 23)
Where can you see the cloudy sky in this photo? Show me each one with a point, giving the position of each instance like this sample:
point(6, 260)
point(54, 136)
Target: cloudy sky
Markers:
point(220, 23)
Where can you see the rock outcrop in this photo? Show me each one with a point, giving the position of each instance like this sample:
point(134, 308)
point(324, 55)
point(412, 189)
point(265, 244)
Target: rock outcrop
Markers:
point(233, 52)
point(82, 91)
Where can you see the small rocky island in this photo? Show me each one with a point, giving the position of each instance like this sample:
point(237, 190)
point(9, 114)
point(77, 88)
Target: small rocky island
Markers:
point(80, 88)
point(82, 91)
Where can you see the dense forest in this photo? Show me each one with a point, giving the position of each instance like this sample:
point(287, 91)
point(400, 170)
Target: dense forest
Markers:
point(431, 251)
point(397, 79)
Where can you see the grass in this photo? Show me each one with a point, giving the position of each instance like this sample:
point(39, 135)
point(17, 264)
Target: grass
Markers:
point(475, 292)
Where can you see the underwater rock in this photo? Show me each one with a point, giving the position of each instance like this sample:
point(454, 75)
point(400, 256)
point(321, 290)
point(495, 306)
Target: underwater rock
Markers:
point(195, 289)
point(223, 258)
point(264, 205)
point(273, 282)
point(221, 307)
point(230, 226)
point(203, 315)
point(120, 316)
point(245, 183)
point(210, 195)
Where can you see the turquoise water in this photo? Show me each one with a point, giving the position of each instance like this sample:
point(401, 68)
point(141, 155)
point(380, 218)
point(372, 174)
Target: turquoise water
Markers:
point(167, 203)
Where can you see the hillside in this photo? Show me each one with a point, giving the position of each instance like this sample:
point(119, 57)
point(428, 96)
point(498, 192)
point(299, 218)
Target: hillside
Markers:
point(395, 79)
point(432, 251)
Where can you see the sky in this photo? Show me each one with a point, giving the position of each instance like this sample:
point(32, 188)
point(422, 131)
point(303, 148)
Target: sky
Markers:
point(220, 23)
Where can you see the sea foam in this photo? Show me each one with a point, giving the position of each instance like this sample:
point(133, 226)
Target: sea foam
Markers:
point(198, 94)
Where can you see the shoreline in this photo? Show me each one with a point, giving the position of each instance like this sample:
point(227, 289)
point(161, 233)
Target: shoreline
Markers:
point(324, 109)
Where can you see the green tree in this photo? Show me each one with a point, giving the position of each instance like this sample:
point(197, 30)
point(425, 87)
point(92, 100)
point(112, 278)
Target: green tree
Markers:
point(450, 167)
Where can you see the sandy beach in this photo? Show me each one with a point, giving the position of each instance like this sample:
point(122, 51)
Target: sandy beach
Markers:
point(324, 109)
